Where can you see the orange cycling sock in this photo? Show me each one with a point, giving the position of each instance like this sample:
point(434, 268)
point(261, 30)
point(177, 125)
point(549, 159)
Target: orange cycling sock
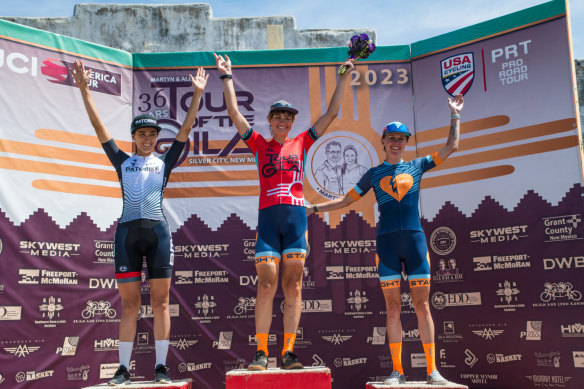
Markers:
point(262, 340)
point(430, 357)
point(396, 349)
point(289, 340)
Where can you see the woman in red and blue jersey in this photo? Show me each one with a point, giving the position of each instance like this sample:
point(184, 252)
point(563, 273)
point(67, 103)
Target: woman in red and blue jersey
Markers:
point(282, 217)
point(400, 237)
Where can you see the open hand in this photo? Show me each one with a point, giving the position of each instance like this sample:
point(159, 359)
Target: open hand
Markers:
point(223, 64)
point(200, 80)
point(80, 75)
point(456, 104)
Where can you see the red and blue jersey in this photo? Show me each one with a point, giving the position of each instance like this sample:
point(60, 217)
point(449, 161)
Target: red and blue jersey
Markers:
point(280, 167)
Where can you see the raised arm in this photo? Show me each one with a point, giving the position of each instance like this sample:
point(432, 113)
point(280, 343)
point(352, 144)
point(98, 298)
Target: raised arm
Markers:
point(224, 67)
point(332, 205)
point(82, 77)
point(454, 134)
point(199, 82)
point(332, 111)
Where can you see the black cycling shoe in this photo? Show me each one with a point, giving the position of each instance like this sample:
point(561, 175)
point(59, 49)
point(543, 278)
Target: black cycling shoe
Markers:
point(290, 361)
point(161, 375)
point(260, 361)
point(121, 377)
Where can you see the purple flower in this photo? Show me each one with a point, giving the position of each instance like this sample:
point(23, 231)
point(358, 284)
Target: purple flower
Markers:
point(360, 46)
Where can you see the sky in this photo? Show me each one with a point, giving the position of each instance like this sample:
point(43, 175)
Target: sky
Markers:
point(397, 22)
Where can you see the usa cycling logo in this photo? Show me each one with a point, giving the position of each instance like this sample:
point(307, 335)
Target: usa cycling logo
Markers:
point(457, 73)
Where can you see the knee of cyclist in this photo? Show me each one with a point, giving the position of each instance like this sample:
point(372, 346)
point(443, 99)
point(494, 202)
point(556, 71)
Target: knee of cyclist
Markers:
point(131, 305)
point(159, 303)
point(393, 307)
point(266, 287)
point(292, 287)
point(422, 306)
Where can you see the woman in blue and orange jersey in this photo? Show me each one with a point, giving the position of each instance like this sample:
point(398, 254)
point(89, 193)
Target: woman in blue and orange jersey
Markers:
point(399, 233)
point(142, 230)
point(282, 216)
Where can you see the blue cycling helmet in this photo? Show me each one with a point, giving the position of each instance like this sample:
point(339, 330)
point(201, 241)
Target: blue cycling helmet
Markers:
point(396, 127)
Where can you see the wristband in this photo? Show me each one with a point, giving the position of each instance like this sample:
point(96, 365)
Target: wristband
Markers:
point(455, 116)
point(314, 208)
point(224, 76)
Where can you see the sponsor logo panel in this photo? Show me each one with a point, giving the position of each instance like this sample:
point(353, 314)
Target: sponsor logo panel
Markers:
point(563, 228)
point(501, 262)
point(49, 249)
point(69, 346)
point(10, 312)
point(443, 300)
point(508, 293)
point(201, 251)
point(350, 246)
point(104, 251)
point(205, 307)
point(78, 373)
point(449, 334)
point(533, 330)
point(443, 241)
point(547, 359)
point(378, 336)
point(559, 294)
point(47, 277)
point(548, 381)
point(499, 234)
point(357, 304)
point(418, 359)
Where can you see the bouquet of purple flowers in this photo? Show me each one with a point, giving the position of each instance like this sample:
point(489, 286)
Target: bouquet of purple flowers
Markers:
point(360, 46)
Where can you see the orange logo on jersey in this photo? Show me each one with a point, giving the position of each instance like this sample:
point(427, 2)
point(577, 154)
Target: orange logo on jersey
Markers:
point(397, 186)
point(390, 284)
point(415, 283)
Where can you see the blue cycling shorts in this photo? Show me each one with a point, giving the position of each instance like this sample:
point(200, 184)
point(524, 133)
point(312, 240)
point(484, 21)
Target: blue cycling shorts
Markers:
point(408, 247)
point(281, 234)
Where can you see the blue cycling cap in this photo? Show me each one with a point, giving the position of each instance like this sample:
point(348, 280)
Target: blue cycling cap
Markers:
point(396, 127)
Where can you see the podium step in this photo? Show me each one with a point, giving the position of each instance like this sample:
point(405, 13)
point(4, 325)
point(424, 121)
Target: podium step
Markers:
point(309, 377)
point(176, 384)
point(414, 385)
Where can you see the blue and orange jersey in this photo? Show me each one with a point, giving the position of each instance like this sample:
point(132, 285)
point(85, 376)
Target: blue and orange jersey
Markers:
point(397, 190)
point(280, 167)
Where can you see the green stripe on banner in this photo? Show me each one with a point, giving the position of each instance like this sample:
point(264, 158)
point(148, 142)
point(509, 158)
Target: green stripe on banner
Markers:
point(289, 57)
point(52, 41)
point(489, 28)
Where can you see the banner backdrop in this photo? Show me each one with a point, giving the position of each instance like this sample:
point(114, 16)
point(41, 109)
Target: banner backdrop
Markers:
point(502, 216)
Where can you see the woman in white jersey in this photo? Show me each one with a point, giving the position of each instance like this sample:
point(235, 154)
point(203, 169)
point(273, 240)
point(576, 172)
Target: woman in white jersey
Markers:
point(142, 231)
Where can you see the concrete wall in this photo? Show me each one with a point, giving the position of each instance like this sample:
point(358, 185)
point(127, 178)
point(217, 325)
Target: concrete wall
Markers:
point(140, 28)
